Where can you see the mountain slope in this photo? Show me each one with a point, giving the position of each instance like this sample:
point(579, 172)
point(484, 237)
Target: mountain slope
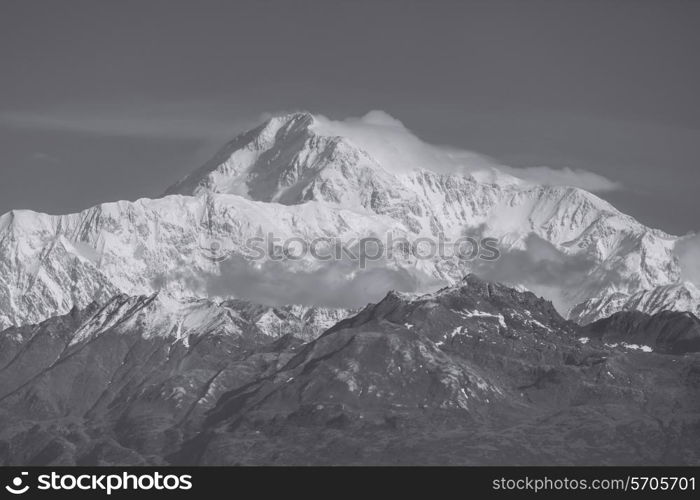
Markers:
point(668, 331)
point(120, 383)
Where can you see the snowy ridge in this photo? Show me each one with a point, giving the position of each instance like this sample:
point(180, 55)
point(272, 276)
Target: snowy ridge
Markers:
point(162, 315)
point(677, 297)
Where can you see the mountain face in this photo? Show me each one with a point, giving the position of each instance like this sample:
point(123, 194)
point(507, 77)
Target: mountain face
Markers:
point(48, 264)
point(293, 178)
point(126, 368)
point(475, 373)
point(301, 322)
point(668, 331)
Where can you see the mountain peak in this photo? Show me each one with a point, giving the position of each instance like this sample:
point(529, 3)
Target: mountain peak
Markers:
point(483, 304)
point(287, 123)
point(295, 117)
point(264, 162)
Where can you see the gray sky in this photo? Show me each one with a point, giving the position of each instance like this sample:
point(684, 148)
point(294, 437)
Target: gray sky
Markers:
point(117, 100)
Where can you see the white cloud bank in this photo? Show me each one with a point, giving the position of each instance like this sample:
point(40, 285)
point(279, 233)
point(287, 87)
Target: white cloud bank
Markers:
point(397, 148)
point(687, 250)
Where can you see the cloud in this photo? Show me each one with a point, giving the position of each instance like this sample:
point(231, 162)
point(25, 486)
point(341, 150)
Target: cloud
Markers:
point(186, 120)
point(541, 268)
point(584, 179)
point(38, 156)
point(337, 284)
point(687, 251)
point(332, 284)
point(398, 149)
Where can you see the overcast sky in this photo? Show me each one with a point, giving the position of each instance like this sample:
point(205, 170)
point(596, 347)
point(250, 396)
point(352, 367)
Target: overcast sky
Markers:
point(117, 100)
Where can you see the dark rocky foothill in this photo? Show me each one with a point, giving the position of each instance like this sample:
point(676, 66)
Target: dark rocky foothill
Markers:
point(477, 374)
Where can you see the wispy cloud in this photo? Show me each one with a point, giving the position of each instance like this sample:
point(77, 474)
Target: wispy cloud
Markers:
point(193, 120)
point(39, 156)
point(585, 179)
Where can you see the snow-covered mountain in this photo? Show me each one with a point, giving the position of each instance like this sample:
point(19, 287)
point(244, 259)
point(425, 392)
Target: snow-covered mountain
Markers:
point(292, 177)
point(623, 257)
